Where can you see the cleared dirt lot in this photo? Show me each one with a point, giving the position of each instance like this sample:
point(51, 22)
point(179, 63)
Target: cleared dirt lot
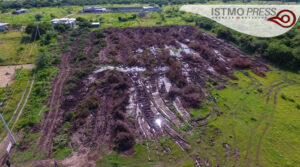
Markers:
point(7, 73)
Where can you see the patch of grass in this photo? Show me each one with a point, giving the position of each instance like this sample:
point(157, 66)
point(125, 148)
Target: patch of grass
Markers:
point(200, 113)
point(12, 94)
point(39, 94)
point(246, 116)
point(62, 153)
point(15, 51)
point(30, 153)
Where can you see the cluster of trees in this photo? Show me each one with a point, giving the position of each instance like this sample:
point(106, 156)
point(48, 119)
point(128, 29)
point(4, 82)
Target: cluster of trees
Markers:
point(283, 50)
point(124, 19)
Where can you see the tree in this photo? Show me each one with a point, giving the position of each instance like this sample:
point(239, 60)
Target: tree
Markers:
point(38, 17)
point(279, 53)
point(83, 23)
point(62, 27)
point(42, 61)
point(205, 23)
point(226, 34)
point(36, 31)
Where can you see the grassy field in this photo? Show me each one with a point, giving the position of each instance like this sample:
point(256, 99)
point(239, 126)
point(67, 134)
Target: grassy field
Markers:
point(48, 13)
point(13, 51)
point(261, 119)
point(12, 95)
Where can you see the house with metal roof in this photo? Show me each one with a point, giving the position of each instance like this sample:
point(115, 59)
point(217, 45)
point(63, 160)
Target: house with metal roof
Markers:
point(4, 26)
point(94, 9)
point(70, 21)
point(20, 11)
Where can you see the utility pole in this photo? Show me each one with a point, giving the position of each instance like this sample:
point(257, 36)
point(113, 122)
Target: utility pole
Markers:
point(10, 134)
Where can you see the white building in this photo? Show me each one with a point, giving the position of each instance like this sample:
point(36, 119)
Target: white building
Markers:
point(70, 21)
point(95, 24)
point(4, 26)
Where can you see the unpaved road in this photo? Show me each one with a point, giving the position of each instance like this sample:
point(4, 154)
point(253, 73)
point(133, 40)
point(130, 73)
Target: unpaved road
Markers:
point(7, 73)
point(52, 117)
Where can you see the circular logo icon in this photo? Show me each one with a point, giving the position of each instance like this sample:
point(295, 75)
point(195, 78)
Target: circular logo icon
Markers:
point(284, 18)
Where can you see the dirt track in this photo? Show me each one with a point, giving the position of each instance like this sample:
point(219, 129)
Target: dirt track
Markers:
point(54, 115)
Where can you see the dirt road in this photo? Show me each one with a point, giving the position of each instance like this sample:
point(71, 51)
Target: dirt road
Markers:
point(52, 117)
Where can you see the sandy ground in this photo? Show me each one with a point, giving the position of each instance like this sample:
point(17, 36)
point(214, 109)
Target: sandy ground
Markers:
point(7, 73)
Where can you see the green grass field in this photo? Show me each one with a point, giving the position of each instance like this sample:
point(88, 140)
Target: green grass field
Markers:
point(13, 51)
point(12, 95)
point(265, 131)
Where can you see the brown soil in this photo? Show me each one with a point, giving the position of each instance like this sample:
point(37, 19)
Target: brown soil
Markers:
point(7, 73)
point(150, 79)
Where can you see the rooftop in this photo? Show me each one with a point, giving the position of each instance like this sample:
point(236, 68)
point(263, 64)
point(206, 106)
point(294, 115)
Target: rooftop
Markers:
point(4, 24)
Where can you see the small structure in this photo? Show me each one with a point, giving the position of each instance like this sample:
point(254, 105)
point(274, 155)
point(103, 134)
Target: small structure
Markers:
point(95, 24)
point(4, 26)
point(151, 9)
point(94, 9)
point(70, 21)
point(20, 11)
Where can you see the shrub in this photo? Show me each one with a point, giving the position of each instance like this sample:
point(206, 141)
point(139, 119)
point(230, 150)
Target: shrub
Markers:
point(260, 46)
point(298, 106)
point(1, 59)
point(62, 27)
point(205, 23)
point(84, 108)
point(283, 96)
point(226, 34)
point(279, 53)
point(83, 23)
point(42, 61)
point(260, 90)
point(38, 17)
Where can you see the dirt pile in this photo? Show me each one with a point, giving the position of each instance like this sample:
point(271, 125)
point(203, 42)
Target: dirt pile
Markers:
point(148, 81)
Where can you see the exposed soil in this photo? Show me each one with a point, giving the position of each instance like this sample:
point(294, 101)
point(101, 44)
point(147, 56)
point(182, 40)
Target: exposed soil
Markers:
point(148, 80)
point(7, 73)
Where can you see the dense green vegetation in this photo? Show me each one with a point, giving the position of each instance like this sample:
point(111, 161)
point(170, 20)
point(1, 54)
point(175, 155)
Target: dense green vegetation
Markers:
point(283, 50)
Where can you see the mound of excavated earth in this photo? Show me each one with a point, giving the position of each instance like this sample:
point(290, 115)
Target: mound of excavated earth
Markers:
point(141, 85)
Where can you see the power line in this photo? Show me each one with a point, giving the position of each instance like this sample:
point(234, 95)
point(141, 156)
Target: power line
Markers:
point(15, 86)
point(6, 126)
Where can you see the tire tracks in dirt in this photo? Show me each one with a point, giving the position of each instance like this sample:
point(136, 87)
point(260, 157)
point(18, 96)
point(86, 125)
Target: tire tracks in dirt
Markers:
point(52, 117)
